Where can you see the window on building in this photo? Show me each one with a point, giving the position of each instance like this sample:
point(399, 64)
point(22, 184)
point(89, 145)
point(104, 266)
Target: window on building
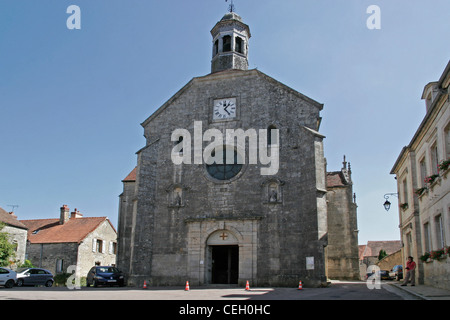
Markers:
point(434, 159)
point(405, 191)
point(112, 247)
point(97, 245)
point(409, 244)
point(239, 45)
point(226, 43)
point(439, 232)
point(423, 172)
point(59, 265)
point(216, 47)
point(427, 237)
point(272, 135)
point(447, 142)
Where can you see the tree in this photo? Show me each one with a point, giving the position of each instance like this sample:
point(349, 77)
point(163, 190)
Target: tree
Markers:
point(382, 254)
point(7, 249)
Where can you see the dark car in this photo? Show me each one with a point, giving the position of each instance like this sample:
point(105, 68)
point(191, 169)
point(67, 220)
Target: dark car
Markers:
point(34, 277)
point(381, 274)
point(105, 275)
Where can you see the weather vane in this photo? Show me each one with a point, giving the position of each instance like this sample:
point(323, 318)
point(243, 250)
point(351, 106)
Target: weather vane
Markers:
point(231, 6)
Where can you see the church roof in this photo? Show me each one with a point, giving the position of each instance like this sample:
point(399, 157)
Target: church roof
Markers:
point(73, 230)
point(131, 176)
point(336, 179)
point(231, 16)
point(229, 74)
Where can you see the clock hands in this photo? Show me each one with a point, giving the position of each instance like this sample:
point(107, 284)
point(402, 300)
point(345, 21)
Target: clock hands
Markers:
point(225, 108)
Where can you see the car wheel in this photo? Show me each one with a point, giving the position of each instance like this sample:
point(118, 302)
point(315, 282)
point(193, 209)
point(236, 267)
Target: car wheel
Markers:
point(49, 283)
point(20, 282)
point(9, 284)
point(95, 284)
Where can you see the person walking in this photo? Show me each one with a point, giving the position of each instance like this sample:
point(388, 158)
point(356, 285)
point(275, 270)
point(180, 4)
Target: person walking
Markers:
point(410, 272)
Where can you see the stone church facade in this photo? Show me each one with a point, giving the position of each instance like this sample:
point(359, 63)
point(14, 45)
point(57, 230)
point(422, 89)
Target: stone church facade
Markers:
point(210, 222)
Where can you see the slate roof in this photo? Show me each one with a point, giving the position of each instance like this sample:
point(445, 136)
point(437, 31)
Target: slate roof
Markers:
point(73, 230)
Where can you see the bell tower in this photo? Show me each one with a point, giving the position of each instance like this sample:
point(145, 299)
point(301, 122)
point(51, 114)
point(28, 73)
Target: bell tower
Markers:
point(230, 43)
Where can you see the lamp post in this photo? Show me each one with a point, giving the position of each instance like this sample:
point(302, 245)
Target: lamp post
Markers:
point(387, 204)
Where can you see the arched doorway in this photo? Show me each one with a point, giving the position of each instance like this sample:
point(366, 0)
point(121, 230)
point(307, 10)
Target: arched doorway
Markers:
point(223, 258)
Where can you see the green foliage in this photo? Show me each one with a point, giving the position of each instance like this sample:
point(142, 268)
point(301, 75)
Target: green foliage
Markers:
point(7, 249)
point(26, 264)
point(382, 254)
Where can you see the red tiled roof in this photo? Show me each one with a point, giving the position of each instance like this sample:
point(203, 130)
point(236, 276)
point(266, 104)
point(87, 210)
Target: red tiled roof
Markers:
point(73, 230)
point(131, 176)
point(10, 219)
point(373, 247)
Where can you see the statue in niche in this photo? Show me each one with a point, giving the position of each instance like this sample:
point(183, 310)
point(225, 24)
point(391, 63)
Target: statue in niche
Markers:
point(273, 194)
point(177, 200)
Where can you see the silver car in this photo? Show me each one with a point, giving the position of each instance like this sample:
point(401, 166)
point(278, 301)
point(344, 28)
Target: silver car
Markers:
point(34, 277)
point(7, 277)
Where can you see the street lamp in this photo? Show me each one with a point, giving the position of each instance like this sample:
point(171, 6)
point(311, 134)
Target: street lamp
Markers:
point(387, 204)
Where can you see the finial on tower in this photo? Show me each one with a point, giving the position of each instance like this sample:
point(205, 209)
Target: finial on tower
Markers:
point(231, 6)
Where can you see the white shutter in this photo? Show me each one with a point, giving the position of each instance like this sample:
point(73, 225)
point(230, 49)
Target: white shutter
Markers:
point(94, 245)
point(110, 247)
point(103, 246)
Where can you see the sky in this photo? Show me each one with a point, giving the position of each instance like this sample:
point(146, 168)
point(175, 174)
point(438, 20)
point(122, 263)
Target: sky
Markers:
point(72, 100)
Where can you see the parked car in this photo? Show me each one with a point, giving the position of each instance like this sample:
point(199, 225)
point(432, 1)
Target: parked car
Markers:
point(105, 275)
point(382, 274)
point(8, 277)
point(34, 277)
point(397, 272)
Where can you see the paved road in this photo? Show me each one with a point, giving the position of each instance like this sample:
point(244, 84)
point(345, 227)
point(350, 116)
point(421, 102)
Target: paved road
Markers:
point(336, 291)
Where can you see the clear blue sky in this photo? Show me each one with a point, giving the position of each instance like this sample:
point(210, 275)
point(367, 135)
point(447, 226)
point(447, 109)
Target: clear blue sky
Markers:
point(71, 101)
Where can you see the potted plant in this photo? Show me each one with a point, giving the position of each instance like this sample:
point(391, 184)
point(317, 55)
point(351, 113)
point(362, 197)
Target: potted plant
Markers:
point(404, 206)
point(425, 256)
point(431, 178)
point(435, 255)
point(443, 165)
point(421, 191)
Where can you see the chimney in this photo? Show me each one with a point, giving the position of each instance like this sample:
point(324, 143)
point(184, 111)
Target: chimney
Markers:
point(13, 215)
point(64, 214)
point(75, 214)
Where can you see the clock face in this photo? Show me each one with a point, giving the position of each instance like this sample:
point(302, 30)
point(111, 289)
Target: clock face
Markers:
point(224, 109)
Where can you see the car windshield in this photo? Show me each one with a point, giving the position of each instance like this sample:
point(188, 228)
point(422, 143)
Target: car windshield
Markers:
point(20, 270)
point(107, 270)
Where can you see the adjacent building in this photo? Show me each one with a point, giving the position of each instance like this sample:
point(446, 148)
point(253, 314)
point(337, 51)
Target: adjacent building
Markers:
point(422, 173)
point(71, 240)
point(17, 232)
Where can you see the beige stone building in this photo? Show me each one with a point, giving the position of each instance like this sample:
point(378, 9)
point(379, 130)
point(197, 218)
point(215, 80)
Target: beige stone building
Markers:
point(17, 232)
point(422, 174)
point(71, 239)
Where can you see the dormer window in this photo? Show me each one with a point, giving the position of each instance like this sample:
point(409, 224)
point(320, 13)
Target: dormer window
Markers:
point(226, 43)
